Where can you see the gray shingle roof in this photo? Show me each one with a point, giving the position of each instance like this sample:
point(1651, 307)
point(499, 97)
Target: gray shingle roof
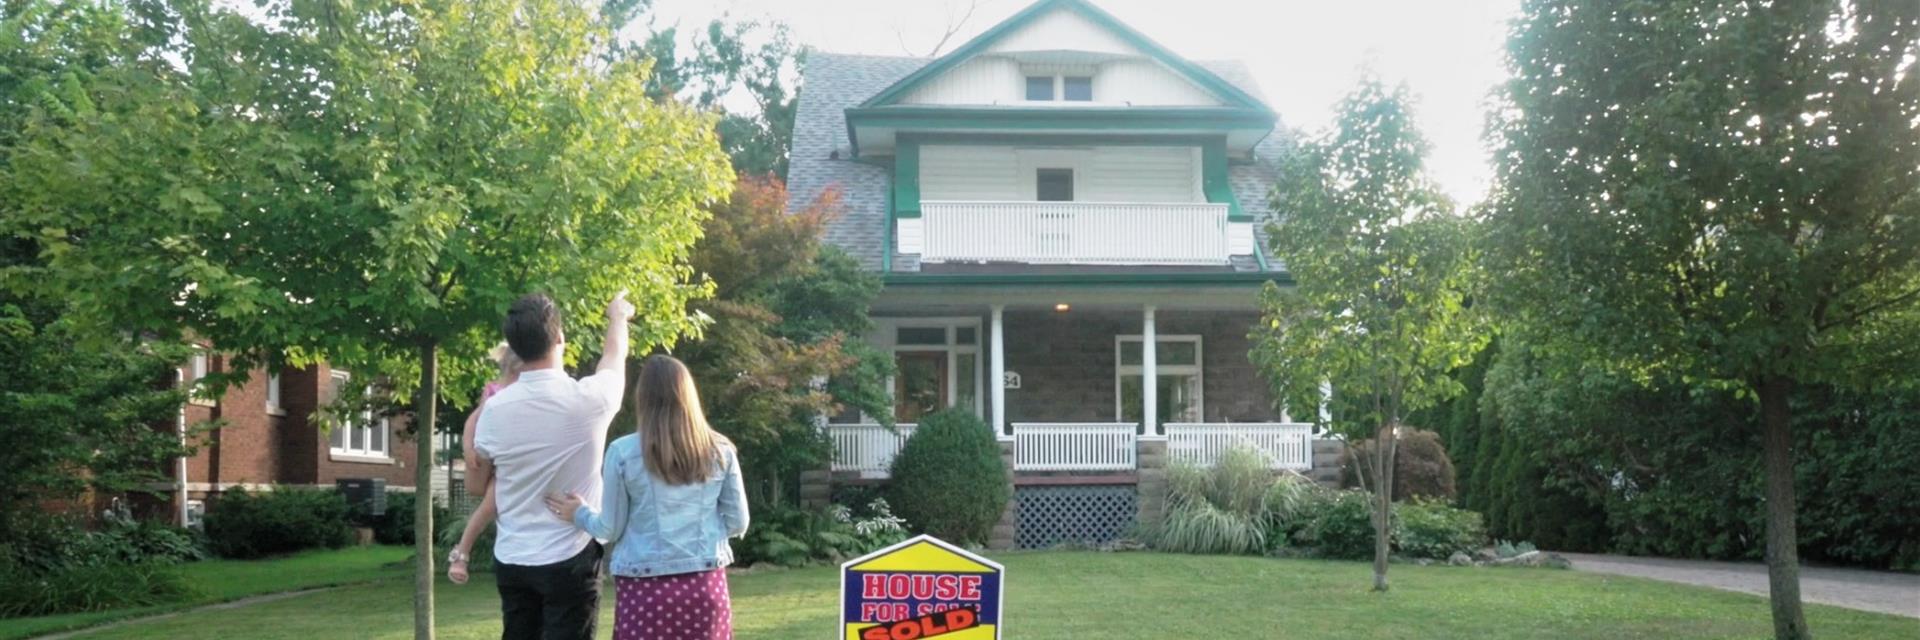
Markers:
point(821, 158)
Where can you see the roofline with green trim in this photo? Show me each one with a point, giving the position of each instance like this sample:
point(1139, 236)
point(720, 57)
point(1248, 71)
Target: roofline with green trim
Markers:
point(1056, 119)
point(1207, 79)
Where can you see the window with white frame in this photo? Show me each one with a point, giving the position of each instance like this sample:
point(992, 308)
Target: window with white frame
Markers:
point(198, 368)
point(273, 393)
point(1178, 370)
point(937, 362)
point(360, 433)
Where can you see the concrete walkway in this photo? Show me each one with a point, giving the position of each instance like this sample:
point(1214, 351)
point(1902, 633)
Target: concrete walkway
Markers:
point(1881, 591)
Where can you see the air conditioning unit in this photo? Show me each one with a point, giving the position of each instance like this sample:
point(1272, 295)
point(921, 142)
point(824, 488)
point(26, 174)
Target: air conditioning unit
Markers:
point(366, 496)
point(196, 513)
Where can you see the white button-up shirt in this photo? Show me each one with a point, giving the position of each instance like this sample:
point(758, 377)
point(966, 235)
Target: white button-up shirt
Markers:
point(545, 434)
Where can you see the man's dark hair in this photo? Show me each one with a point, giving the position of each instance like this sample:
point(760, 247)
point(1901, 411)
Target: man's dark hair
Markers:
point(532, 326)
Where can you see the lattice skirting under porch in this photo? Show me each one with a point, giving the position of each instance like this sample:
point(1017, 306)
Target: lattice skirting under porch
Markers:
point(1089, 514)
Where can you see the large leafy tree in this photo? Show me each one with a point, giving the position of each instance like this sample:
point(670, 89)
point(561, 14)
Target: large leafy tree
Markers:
point(1382, 270)
point(785, 343)
point(744, 72)
point(368, 183)
point(1725, 192)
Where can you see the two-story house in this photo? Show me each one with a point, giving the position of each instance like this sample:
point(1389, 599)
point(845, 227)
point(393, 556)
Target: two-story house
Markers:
point(1067, 218)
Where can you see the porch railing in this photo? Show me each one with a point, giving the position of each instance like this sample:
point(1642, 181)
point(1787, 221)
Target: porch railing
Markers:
point(867, 448)
point(1185, 233)
point(1073, 446)
point(1287, 445)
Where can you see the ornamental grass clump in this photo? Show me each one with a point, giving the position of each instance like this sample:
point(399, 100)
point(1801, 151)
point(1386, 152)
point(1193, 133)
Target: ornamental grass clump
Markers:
point(1225, 509)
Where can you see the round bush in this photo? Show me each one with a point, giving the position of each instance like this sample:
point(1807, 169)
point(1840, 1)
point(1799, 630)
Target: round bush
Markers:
point(285, 520)
point(1337, 524)
point(1421, 468)
point(1431, 529)
point(949, 481)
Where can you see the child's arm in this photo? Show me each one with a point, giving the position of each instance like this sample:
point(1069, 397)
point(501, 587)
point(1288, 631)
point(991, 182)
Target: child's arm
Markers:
point(479, 469)
point(482, 516)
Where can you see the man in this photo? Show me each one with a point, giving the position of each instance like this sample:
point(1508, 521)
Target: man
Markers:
point(545, 434)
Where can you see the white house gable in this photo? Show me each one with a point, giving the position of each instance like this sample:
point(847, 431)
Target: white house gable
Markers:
point(1061, 58)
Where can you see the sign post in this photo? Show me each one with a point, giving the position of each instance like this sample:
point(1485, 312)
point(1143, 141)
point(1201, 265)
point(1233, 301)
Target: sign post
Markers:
point(921, 588)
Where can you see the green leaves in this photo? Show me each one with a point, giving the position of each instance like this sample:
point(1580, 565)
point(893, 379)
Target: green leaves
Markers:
point(1383, 270)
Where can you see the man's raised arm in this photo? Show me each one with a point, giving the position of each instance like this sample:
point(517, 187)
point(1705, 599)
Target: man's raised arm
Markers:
point(613, 352)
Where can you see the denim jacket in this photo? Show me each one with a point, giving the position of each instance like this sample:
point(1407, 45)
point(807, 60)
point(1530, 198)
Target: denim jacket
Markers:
point(659, 529)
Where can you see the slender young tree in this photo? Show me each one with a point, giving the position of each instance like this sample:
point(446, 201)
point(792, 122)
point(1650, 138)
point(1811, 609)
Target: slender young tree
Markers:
point(366, 183)
point(1382, 270)
point(1725, 192)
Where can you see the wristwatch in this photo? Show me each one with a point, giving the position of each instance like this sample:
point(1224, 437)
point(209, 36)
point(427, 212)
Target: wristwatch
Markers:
point(455, 557)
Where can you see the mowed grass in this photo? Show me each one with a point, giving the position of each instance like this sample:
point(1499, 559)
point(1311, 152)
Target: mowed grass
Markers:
point(216, 581)
point(1133, 595)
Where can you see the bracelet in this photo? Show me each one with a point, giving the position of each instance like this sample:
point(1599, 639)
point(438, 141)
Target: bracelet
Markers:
point(455, 557)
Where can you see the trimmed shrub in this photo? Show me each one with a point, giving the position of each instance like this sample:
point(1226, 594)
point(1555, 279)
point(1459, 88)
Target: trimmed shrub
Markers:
point(948, 480)
point(1431, 529)
point(798, 537)
point(285, 520)
point(1336, 524)
point(1421, 468)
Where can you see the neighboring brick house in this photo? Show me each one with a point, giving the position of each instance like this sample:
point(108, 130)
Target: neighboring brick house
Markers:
point(270, 435)
point(1068, 221)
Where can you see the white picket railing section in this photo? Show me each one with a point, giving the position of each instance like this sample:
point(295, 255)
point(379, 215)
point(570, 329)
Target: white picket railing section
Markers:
point(867, 448)
point(1287, 445)
point(1073, 446)
point(1074, 232)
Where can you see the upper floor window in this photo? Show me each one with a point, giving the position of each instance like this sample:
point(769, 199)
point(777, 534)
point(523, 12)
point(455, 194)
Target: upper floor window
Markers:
point(1053, 185)
point(1077, 88)
point(1040, 88)
point(199, 367)
point(1051, 87)
point(273, 394)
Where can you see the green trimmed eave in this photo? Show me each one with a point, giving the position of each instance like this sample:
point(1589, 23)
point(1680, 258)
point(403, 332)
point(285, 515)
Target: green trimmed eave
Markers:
point(1232, 95)
point(1214, 180)
point(1244, 278)
point(1064, 119)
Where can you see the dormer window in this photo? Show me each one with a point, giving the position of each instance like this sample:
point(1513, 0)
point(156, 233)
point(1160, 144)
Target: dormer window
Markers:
point(1059, 87)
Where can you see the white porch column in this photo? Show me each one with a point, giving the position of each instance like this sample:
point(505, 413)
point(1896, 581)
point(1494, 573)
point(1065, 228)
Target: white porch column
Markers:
point(998, 381)
point(1149, 377)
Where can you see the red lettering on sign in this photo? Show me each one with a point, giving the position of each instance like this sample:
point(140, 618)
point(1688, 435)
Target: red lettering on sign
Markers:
point(943, 587)
point(898, 585)
point(873, 586)
point(926, 626)
point(969, 587)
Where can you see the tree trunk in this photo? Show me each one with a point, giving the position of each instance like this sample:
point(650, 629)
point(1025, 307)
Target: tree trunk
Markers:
point(424, 419)
point(1783, 554)
point(1383, 445)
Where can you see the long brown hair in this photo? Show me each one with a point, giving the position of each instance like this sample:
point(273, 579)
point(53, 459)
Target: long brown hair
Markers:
point(677, 445)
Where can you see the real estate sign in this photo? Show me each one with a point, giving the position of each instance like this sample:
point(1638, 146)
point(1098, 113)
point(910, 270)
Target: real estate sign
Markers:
point(921, 588)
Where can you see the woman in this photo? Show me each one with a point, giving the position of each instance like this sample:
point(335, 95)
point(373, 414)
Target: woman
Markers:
point(485, 513)
point(673, 497)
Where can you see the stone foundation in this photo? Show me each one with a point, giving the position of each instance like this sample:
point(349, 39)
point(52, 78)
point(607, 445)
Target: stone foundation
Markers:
point(1006, 532)
point(1151, 459)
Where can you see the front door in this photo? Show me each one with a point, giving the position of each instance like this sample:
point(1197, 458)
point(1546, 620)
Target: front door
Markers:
point(920, 387)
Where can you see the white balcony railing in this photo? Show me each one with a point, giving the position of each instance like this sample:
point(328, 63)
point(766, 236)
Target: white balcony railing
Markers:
point(867, 448)
point(1178, 233)
point(1073, 446)
point(1286, 445)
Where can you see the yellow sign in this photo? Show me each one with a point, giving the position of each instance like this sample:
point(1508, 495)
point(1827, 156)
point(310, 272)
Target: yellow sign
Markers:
point(921, 588)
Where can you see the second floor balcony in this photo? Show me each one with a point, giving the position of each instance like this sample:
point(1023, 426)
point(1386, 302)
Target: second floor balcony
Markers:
point(1110, 233)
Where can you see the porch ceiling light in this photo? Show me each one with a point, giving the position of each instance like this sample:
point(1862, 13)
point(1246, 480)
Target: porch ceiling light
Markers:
point(1062, 307)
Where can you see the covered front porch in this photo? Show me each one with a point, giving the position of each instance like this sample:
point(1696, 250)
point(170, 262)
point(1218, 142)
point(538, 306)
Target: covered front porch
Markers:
point(1077, 381)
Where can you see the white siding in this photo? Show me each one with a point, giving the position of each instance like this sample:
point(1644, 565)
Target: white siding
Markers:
point(1101, 174)
point(980, 80)
point(1062, 30)
point(1145, 83)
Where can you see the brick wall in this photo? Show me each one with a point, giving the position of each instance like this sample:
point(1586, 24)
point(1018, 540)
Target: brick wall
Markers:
point(1066, 363)
point(254, 446)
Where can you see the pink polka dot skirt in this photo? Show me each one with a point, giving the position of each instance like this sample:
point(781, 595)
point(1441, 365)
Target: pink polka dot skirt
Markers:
point(687, 606)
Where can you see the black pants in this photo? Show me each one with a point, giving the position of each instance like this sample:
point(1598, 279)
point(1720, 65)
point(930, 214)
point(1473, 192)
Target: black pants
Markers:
point(559, 601)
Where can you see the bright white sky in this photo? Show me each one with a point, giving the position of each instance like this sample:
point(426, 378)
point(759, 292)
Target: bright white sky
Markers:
point(1305, 54)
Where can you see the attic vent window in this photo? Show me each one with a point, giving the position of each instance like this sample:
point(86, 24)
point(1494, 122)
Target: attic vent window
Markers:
point(1040, 88)
point(1078, 88)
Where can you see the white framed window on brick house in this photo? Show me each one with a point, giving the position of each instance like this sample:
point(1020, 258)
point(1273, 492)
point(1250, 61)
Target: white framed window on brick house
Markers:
point(1180, 379)
point(273, 395)
point(199, 367)
point(360, 435)
point(937, 364)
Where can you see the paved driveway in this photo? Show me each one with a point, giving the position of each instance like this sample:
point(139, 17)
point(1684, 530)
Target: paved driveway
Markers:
point(1885, 592)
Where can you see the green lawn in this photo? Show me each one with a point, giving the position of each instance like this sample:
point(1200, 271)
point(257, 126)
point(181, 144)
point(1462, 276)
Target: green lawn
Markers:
point(1136, 595)
point(223, 580)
